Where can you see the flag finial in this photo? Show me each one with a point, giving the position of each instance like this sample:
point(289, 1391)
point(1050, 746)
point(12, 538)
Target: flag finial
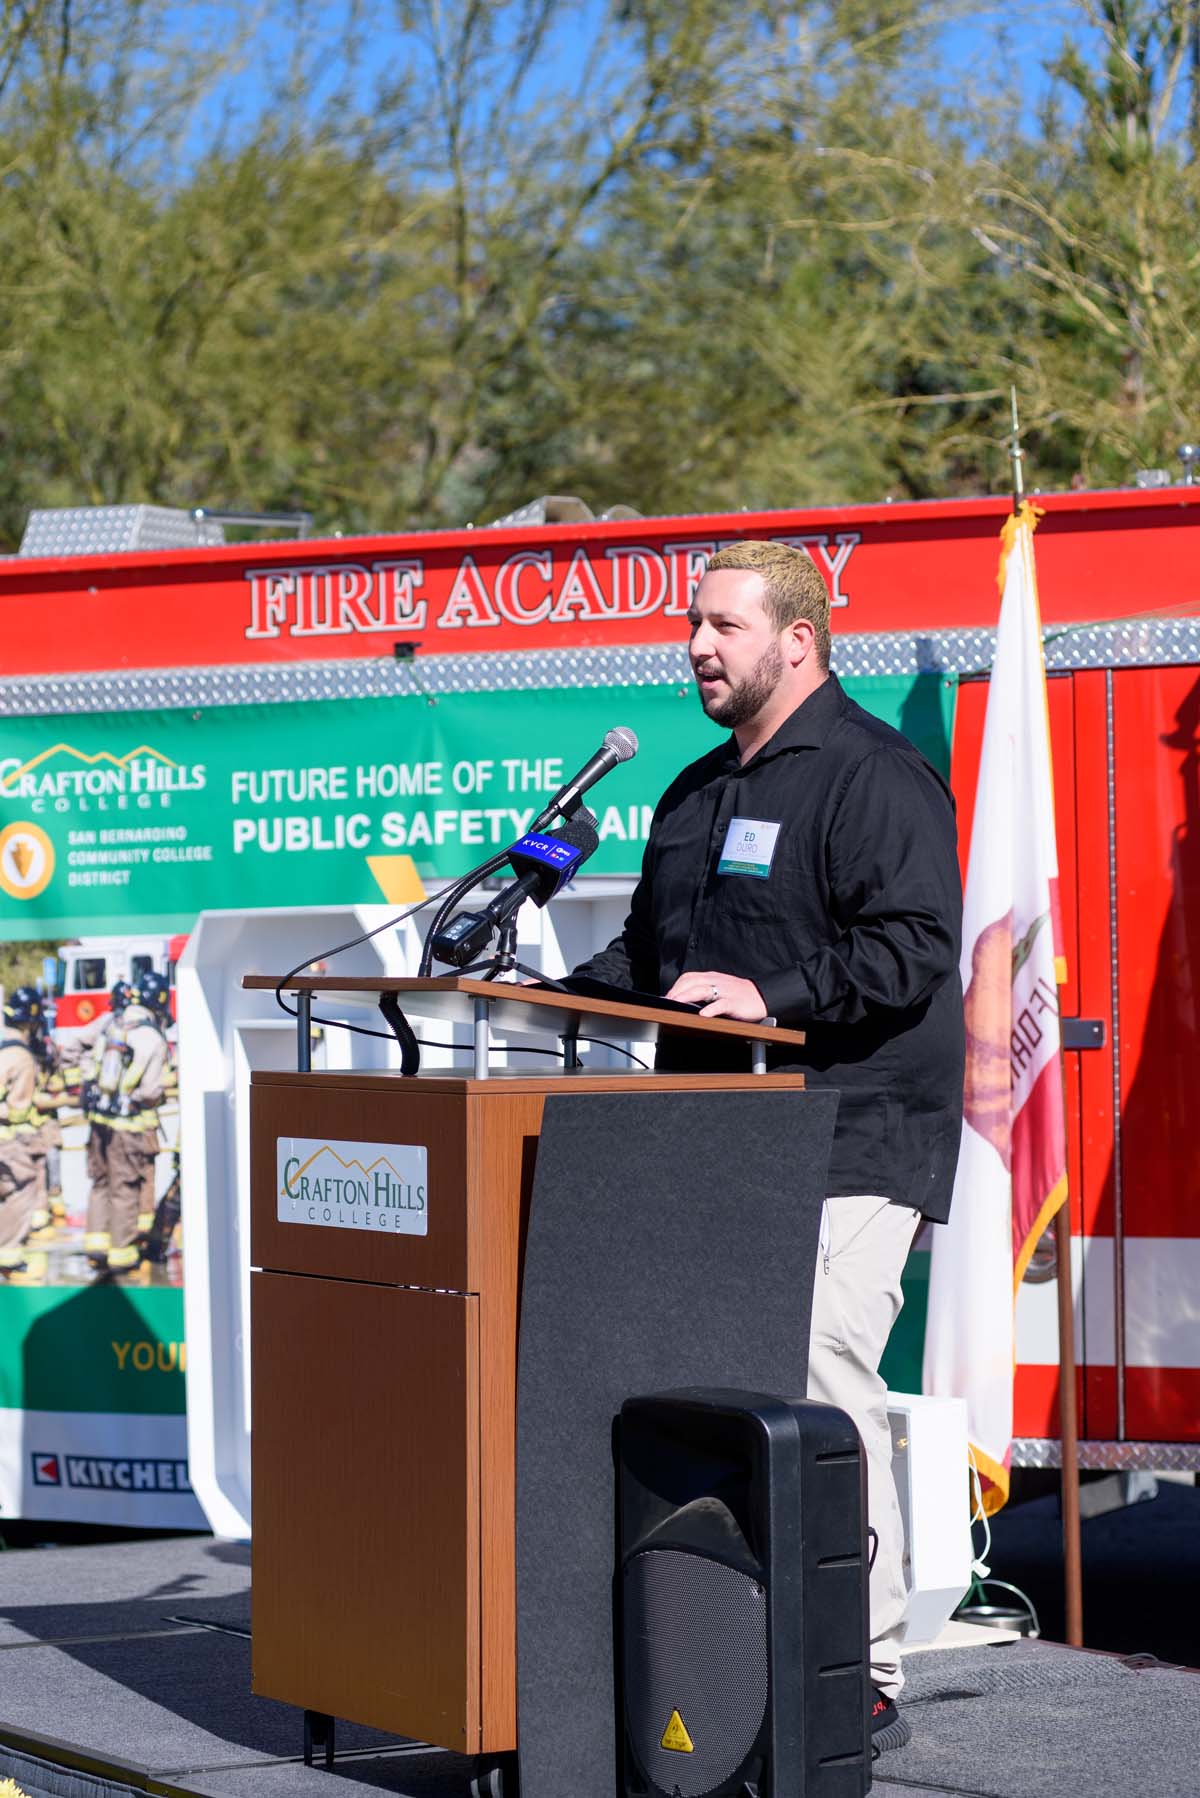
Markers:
point(1016, 455)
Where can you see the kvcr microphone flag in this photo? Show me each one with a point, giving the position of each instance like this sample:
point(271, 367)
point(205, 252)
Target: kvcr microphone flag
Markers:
point(543, 862)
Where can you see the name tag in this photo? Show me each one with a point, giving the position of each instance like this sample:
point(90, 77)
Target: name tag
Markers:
point(749, 847)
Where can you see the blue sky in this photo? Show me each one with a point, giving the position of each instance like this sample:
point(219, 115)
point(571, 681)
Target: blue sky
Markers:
point(348, 47)
point(354, 44)
point(358, 43)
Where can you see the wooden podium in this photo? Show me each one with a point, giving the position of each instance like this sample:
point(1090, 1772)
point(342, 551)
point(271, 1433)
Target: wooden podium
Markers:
point(385, 1346)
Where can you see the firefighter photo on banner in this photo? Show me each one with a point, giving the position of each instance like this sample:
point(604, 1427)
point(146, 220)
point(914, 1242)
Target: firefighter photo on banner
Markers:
point(92, 1352)
point(89, 1116)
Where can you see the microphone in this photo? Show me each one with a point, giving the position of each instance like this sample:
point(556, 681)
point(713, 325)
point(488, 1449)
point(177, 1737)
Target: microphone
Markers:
point(620, 745)
point(543, 862)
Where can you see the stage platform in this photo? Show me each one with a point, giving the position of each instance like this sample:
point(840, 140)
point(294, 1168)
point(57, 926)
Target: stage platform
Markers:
point(126, 1668)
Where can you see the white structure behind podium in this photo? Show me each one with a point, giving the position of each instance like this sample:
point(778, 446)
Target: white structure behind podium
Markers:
point(225, 1034)
point(929, 1462)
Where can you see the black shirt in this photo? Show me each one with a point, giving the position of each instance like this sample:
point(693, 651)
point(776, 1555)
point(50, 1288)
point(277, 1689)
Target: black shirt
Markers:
point(850, 931)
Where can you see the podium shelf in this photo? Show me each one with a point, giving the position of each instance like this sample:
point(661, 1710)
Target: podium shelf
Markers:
point(519, 1010)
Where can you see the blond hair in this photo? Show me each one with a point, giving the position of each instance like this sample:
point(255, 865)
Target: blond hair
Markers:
point(792, 586)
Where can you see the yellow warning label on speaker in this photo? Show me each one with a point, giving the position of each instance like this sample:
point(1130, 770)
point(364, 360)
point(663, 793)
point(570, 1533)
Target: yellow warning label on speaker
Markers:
point(675, 1736)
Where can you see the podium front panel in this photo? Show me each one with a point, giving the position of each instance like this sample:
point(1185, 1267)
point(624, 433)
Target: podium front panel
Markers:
point(480, 1141)
point(367, 1588)
point(385, 1392)
point(386, 1110)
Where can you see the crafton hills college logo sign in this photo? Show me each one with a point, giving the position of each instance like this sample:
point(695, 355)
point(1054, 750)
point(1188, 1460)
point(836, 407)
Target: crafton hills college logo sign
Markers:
point(64, 779)
point(380, 1187)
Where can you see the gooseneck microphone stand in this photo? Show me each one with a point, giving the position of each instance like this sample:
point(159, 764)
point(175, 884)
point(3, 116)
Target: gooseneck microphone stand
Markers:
point(454, 895)
point(503, 960)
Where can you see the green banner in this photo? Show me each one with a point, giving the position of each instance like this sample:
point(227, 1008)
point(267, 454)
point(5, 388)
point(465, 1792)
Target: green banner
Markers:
point(125, 821)
point(92, 1348)
point(901, 1364)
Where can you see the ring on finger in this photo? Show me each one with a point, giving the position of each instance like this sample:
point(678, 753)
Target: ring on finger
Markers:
point(716, 994)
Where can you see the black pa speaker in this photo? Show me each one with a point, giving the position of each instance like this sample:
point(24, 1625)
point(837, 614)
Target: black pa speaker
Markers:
point(741, 1602)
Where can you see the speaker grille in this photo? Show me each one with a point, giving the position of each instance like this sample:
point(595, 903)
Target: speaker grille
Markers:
point(695, 1642)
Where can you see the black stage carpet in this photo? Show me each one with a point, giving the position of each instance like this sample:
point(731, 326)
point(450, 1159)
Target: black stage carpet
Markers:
point(127, 1668)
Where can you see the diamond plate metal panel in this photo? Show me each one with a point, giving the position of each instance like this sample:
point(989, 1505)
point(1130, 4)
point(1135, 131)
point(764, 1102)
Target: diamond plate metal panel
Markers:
point(900, 652)
point(1132, 643)
point(1148, 643)
point(1150, 1457)
point(259, 685)
point(108, 530)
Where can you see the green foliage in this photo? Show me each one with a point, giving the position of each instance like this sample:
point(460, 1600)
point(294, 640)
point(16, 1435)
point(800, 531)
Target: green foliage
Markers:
point(21, 964)
point(682, 253)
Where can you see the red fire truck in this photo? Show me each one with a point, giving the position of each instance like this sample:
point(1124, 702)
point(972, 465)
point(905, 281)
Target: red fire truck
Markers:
point(913, 588)
point(87, 968)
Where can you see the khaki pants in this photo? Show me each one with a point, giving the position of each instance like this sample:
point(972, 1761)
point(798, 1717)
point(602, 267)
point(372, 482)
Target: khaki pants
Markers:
point(18, 1197)
point(856, 1300)
point(119, 1164)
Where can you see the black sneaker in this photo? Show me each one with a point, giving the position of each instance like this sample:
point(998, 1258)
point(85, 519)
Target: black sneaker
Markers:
point(888, 1728)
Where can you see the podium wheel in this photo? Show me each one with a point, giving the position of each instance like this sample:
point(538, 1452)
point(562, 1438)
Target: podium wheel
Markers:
point(497, 1779)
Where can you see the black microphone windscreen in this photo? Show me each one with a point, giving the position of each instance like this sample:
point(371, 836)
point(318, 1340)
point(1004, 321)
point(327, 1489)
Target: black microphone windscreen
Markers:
point(581, 832)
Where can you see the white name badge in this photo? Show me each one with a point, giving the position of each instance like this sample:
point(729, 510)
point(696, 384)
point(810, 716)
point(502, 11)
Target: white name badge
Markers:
point(749, 847)
point(378, 1186)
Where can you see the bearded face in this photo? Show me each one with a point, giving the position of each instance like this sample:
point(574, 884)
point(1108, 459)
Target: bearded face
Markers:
point(732, 699)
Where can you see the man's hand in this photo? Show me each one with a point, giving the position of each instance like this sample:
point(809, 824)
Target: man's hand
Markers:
point(721, 996)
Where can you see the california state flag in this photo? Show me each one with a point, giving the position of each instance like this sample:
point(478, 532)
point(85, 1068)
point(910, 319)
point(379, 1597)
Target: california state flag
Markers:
point(1012, 1165)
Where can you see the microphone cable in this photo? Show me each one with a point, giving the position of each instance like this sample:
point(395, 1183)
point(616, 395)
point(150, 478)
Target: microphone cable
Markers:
point(493, 864)
point(450, 896)
point(460, 888)
point(449, 900)
point(352, 943)
point(493, 1048)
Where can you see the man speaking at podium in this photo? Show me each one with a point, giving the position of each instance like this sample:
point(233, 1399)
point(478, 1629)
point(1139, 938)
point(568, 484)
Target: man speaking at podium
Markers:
point(806, 870)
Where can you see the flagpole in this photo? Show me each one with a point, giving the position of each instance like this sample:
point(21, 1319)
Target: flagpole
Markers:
point(1069, 1428)
point(1016, 455)
point(1067, 1411)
